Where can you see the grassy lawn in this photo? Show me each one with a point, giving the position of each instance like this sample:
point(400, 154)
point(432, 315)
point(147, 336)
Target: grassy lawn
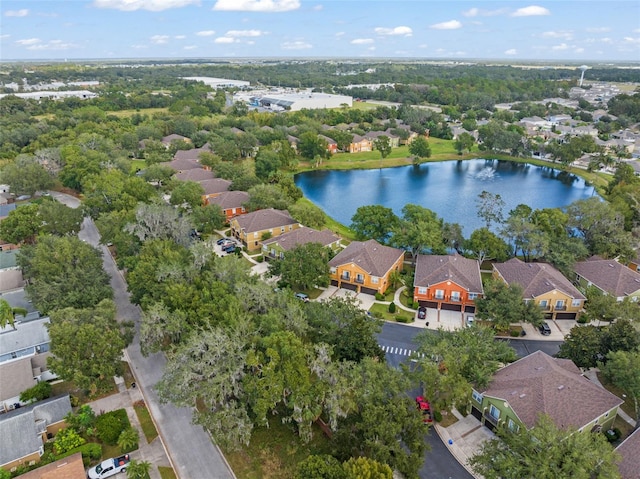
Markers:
point(274, 452)
point(627, 406)
point(66, 387)
point(138, 165)
point(127, 374)
point(338, 228)
point(146, 422)
point(166, 472)
point(382, 311)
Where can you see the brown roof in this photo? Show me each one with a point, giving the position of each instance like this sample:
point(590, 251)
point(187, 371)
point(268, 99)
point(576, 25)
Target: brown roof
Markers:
point(230, 199)
point(377, 134)
point(264, 219)
point(173, 137)
point(609, 276)
point(302, 236)
point(629, 449)
point(15, 377)
point(181, 165)
point(434, 269)
point(536, 278)
point(214, 185)
point(192, 154)
point(370, 255)
point(196, 174)
point(540, 384)
point(70, 467)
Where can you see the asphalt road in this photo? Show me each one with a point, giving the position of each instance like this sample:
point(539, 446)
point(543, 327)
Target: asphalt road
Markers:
point(191, 450)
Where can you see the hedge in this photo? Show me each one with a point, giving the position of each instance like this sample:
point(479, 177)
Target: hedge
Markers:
point(90, 452)
point(110, 425)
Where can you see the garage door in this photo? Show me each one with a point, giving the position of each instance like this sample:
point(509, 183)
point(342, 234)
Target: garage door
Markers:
point(469, 309)
point(350, 287)
point(428, 304)
point(451, 307)
point(368, 291)
point(565, 315)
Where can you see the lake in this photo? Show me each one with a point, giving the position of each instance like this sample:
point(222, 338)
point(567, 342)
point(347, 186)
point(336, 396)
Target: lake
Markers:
point(449, 188)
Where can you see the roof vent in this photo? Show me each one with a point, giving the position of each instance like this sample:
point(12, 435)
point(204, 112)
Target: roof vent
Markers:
point(561, 387)
point(522, 395)
point(611, 266)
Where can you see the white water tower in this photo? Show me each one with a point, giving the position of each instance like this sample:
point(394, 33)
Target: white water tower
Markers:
point(583, 69)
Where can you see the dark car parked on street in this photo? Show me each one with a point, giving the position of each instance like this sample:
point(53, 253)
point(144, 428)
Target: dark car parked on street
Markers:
point(544, 328)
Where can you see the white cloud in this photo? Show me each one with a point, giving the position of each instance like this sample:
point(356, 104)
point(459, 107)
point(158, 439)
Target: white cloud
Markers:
point(631, 40)
point(566, 35)
point(160, 39)
point(257, 5)
point(206, 33)
point(297, 45)
point(180, 37)
point(531, 11)
point(6, 35)
point(190, 47)
point(224, 40)
point(599, 29)
point(476, 12)
point(362, 41)
point(340, 34)
point(318, 7)
point(244, 33)
point(150, 5)
point(637, 30)
point(23, 12)
point(511, 51)
point(450, 25)
point(404, 31)
point(472, 12)
point(28, 41)
point(562, 46)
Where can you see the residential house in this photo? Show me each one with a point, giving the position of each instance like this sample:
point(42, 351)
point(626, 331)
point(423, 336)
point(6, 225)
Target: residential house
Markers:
point(212, 188)
point(394, 140)
point(25, 430)
point(609, 276)
point(365, 266)
point(360, 143)
point(276, 247)
point(70, 467)
point(192, 154)
point(169, 139)
point(252, 228)
point(6, 209)
point(332, 145)
point(10, 272)
point(231, 202)
point(293, 141)
point(629, 450)
point(412, 135)
point(195, 174)
point(182, 165)
point(543, 284)
point(24, 350)
point(450, 282)
point(540, 384)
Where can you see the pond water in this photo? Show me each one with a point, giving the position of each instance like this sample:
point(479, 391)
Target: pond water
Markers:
point(449, 188)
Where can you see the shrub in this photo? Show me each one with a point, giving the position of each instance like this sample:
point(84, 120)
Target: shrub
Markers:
point(613, 434)
point(379, 297)
point(259, 259)
point(403, 319)
point(67, 439)
point(83, 420)
point(40, 391)
point(110, 425)
point(128, 440)
point(514, 333)
point(91, 451)
point(437, 416)
point(392, 307)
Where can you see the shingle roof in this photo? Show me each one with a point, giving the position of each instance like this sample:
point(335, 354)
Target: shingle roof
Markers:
point(15, 377)
point(26, 334)
point(214, 185)
point(264, 219)
point(18, 427)
point(230, 199)
point(192, 154)
point(370, 255)
point(172, 137)
point(181, 165)
point(433, 269)
point(536, 278)
point(195, 174)
point(540, 384)
point(629, 449)
point(302, 236)
point(70, 467)
point(609, 276)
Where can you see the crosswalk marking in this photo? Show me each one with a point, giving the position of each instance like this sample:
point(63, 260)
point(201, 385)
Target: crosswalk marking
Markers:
point(401, 351)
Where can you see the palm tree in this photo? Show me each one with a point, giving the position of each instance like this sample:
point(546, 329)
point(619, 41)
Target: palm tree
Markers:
point(128, 440)
point(138, 469)
point(8, 314)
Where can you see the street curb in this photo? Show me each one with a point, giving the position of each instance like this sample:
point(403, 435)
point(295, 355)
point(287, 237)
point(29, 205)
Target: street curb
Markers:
point(455, 452)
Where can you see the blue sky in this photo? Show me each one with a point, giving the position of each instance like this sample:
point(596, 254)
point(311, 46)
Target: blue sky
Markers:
point(603, 31)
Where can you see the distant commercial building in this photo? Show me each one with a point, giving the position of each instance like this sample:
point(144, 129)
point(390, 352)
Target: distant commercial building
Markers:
point(295, 101)
point(220, 82)
point(53, 95)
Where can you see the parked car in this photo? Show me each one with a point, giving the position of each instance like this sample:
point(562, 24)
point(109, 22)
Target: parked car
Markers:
point(422, 312)
point(544, 328)
point(229, 248)
point(424, 407)
point(109, 467)
point(470, 320)
point(223, 240)
point(302, 297)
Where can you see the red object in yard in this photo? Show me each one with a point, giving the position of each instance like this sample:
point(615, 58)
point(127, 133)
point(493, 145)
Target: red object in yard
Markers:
point(425, 407)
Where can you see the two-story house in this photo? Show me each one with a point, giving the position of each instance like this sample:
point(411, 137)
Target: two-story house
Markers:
point(450, 282)
point(365, 266)
point(231, 203)
point(275, 248)
point(253, 228)
point(610, 277)
point(543, 284)
point(540, 384)
point(360, 143)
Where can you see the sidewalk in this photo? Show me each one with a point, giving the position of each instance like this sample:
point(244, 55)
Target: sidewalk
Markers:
point(153, 452)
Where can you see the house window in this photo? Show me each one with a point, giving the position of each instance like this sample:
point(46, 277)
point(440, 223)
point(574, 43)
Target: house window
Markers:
point(560, 304)
point(576, 303)
point(473, 296)
point(282, 230)
point(439, 294)
point(422, 290)
point(345, 275)
point(494, 412)
point(332, 270)
point(374, 279)
point(455, 295)
point(255, 243)
point(544, 304)
point(359, 278)
point(513, 427)
point(290, 227)
point(255, 235)
point(477, 397)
